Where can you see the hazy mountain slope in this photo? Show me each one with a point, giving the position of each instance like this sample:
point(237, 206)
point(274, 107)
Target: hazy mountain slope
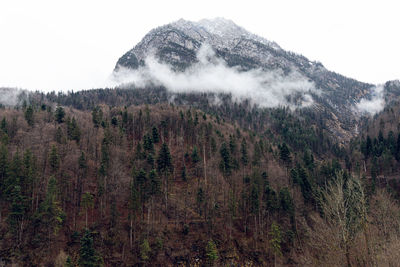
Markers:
point(178, 43)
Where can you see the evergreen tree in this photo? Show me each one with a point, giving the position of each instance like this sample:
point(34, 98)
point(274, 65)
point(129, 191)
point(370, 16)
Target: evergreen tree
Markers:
point(73, 131)
point(3, 170)
point(54, 159)
point(308, 159)
point(195, 155)
point(226, 160)
point(17, 212)
point(88, 256)
point(50, 214)
point(305, 184)
point(97, 116)
point(60, 114)
point(29, 115)
point(155, 135)
point(270, 198)
point(164, 160)
point(275, 241)
point(105, 157)
point(366, 147)
point(139, 154)
point(398, 148)
point(145, 250)
point(200, 199)
point(184, 174)
point(150, 160)
point(3, 125)
point(82, 161)
point(68, 262)
point(254, 199)
point(286, 201)
point(285, 153)
point(244, 155)
point(114, 121)
point(232, 144)
point(155, 183)
point(211, 252)
point(148, 143)
point(256, 155)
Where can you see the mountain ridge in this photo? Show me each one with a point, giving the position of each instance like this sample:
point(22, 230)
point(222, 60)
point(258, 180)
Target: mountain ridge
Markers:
point(177, 44)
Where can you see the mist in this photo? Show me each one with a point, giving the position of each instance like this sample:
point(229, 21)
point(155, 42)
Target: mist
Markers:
point(10, 96)
point(375, 104)
point(212, 75)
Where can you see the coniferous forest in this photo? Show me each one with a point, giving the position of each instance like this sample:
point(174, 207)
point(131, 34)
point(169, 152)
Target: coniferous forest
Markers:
point(123, 177)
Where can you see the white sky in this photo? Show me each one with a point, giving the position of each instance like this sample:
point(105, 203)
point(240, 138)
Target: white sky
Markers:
point(71, 44)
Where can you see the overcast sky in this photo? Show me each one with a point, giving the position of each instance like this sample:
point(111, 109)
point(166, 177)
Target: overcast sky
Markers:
point(63, 45)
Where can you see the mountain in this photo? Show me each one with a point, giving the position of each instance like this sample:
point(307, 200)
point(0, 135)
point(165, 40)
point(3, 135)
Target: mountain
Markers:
point(135, 176)
point(177, 44)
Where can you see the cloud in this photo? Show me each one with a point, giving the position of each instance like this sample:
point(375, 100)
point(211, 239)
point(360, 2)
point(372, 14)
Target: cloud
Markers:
point(10, 96)
point(211, 75)
point(375, 104)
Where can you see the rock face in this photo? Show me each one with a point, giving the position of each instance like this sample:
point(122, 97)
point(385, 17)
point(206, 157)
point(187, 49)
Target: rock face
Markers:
point(177, 44)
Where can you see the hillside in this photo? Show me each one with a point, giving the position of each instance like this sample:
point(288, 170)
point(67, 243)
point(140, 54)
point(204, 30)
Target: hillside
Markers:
point(217, 148)
point(173, 185)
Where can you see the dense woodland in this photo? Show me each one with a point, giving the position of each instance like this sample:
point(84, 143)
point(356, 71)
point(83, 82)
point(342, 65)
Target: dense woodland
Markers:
point(131, 178)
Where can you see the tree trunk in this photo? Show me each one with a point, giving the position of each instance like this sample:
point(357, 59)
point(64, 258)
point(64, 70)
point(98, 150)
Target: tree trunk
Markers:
point(204, 165)
point(348, 256)
point(130, 232)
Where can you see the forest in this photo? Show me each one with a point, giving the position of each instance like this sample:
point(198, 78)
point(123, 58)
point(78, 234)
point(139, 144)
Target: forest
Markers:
point(121, 177)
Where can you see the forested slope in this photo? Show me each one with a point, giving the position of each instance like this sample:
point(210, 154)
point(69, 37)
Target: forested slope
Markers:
point(162, 184)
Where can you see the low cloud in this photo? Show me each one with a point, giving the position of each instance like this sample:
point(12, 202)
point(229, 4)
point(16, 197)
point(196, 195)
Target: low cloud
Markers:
point(375, 104)
point(10, 96)
point(211, 75)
